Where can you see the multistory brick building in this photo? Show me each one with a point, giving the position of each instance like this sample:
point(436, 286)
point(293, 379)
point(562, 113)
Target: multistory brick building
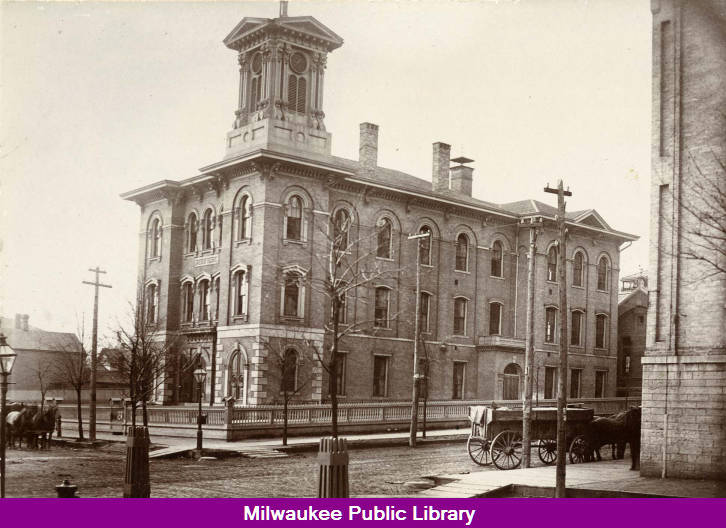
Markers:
point(229, 258)
point(632, 313)
point(684, 368)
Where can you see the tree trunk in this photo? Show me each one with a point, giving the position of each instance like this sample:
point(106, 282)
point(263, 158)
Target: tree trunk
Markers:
point(79, 410)
point(333, 373)
point(284, 418)
point(144, 413)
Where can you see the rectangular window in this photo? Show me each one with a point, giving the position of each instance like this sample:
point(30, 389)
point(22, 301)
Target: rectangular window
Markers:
point(601, 378)
point(380, 376)
point(495, 318)
point(601, 331)
point(550, 389)
point(576, 331)
point(460, 316)
point(240, 293)
point(380, 316)
point(575, 382)
point(457, 392)
point(425, 307)
point(292, 296)
point(550, 324)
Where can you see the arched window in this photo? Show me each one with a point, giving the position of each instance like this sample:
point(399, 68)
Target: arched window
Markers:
point(578, 269)
point(462, 253)
point(341, 229)
point(256, 81)
point(217, 294)
point(192, 228)
point(384, 230)
point(207, 229)
point(511, 382)
point(244, 215)
point(550, 324)
point(425, 310)
point(602, 274)
point(188, 298)
point(296, 93)
point(204, 301)
point(293, 295)
point(601, 333)
point(496, 259)
point(294, 218)
point(495, 318)
point(552, 264)
point(289, 371)
point(460, 309)
point(382, 307)
point(578, 318)
point(237, 369)
point(425, 245)
point(152, 299)
point(241, 285)
point(155, 236)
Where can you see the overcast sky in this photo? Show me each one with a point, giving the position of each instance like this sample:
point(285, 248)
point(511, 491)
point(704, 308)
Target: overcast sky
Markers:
point(101, 98)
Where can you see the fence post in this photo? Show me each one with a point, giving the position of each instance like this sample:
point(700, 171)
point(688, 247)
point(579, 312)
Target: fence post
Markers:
point(333, 460)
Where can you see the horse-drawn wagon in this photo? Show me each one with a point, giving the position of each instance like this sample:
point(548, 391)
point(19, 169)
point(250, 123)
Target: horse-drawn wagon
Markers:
point(496, 435)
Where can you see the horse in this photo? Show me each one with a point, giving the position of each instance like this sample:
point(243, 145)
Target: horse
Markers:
point(618, 429)
point(42, 425)
point(17, 421)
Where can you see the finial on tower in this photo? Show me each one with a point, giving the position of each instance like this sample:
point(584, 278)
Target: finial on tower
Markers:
point(283, 9)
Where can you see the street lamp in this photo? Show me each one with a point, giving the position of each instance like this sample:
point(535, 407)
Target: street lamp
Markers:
point(200, 375)
point(7, 358)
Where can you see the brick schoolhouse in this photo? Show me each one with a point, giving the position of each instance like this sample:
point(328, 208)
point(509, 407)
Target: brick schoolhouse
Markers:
point(229, 257)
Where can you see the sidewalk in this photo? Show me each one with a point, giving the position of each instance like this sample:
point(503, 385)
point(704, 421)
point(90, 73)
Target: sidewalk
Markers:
point(294, 443)
point(606, 477)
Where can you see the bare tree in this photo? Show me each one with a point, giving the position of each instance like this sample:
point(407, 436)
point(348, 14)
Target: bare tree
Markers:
point(702, 201)
point(43, 372)
point(71, 368)
point(293, 358)
point(141, 356)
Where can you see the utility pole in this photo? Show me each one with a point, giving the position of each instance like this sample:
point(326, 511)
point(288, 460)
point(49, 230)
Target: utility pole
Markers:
point(560, 489)
point(94, 343)
point(416, 332)
point(533, 223)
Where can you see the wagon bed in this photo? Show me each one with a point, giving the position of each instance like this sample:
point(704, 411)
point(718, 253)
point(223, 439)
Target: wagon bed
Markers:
point(496, 434)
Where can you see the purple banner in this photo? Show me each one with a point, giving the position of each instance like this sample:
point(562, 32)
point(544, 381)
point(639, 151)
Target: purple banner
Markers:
point(594, 513)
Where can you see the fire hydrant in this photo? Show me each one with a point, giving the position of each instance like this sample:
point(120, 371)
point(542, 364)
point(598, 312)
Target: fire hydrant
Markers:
point(66, 490)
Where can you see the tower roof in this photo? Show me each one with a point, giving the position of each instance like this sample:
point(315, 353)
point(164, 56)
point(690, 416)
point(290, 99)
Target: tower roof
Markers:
point(304, 29)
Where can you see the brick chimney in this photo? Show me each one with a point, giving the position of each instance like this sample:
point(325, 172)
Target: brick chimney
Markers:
point(461, 176)
point(368, 149)
point(25, 322)
point(440, 167)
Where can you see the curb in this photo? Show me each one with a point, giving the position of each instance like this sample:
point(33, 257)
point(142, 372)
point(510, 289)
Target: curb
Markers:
point(372, 443)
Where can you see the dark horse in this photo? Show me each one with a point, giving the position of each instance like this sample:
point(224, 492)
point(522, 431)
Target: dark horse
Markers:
point(39, 428)
point(618, 429)
point(18, 418)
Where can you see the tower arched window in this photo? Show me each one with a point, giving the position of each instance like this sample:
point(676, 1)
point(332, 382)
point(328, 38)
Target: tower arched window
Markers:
point(425, 245)
point(293, 295)
point(460, 309)
point(578, 269)
point(217, 295)
point(495, 318)
point(296, 93)
point(294, 218)
point(425, 310)
point(601, 333)
point(384, 230)
point(192, 228)
point(496, 259)
point(578, 318)
point(244, 225)
point(241, 287)
point(152, 303)
point(552, 264)
point(550, 324)
point(341, 229)
point(462, 253)
point(603, 273)
point(382, 307)
point(155, 237)
point(207, 229)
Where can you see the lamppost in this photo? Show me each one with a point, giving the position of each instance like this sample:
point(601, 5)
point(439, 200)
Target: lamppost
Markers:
point(200, 374)
point(7, 358)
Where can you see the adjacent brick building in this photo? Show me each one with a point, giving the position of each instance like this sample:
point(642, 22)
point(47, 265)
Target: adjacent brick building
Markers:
point(632, 313)
point(229, 258)
point(684, 368)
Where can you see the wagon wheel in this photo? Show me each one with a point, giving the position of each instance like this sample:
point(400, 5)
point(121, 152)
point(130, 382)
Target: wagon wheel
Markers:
point(547, 451)
point(506, 450)
point(479, 450)
point(579, 450)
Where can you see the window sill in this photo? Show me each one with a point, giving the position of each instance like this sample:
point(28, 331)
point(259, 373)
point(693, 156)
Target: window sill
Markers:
point(552, 282)
point(377, 328)
point(465, 272)
point(243, 242)
point(600, 349)
point(459, 335)
point(385, 259)
point(496, 277)
point(286, 241)
point(602, 291)
point(578, 287)
point(291, 319)
point(427, 265)
point(581, 347)
point(237, 319)
point(154, 259)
